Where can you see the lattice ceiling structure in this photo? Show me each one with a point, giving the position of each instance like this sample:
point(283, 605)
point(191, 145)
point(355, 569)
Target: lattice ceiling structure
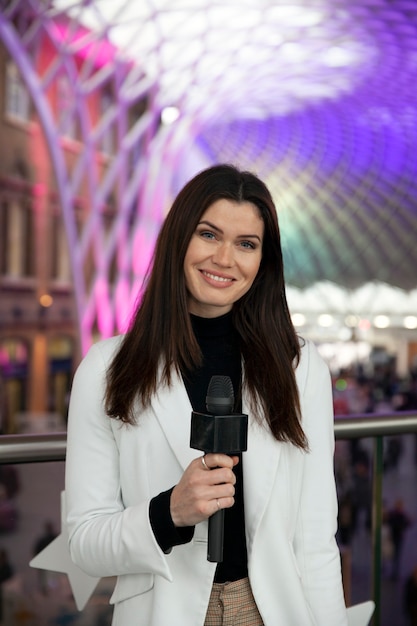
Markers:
point(317, 96)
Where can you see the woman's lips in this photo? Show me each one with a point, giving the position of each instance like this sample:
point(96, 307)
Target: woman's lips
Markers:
point(217, 278)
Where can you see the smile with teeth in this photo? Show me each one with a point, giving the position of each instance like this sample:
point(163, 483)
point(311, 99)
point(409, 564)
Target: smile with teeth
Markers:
point(220, 279)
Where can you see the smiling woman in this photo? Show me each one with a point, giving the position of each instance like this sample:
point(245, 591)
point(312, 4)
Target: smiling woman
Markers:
point(139, 497)
point(223, 257)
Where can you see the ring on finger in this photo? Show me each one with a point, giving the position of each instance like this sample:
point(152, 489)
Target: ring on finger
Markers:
point(203, 461)
point(218, 505)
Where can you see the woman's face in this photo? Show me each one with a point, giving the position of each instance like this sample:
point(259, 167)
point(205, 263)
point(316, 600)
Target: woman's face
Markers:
point(223, 257)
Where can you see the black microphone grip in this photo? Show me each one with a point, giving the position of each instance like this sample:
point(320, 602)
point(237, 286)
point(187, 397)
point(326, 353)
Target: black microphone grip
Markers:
point(215, 539)
point(219, 430)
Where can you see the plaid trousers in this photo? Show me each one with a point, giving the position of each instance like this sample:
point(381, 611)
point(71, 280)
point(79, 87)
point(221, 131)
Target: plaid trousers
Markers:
point(232, 604)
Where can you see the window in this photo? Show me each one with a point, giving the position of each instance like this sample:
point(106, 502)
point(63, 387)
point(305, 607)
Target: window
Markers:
point(66, 107)
point(107, 139)
point(60, 356)
point(16, 237)
point(14, 357)
point(17, 104)
point(60, 267)
point(3, 237)
point(138, 148)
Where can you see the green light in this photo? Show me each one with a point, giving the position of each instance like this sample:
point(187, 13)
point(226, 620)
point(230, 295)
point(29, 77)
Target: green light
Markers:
point(341, 384)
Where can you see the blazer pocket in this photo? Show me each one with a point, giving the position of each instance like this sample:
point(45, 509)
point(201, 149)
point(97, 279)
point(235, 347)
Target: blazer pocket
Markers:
point(130, 585)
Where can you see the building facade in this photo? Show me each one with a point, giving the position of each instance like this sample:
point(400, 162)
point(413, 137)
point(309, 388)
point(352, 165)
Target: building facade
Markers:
point(38, 327)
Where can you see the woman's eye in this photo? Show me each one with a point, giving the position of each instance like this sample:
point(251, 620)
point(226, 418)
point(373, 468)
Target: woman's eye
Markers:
point(207, 234)
point(248, 244)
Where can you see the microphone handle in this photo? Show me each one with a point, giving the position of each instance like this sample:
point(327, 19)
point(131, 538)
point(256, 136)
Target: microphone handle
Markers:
point(215, 537)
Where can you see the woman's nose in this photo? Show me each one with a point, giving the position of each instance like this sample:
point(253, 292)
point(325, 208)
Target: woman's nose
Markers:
point(223, 255)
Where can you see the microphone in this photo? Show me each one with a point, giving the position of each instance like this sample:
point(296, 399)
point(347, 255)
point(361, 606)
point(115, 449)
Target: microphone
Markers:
point(218, 430)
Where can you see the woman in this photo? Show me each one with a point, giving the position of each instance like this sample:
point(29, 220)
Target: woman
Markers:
point(139, 496)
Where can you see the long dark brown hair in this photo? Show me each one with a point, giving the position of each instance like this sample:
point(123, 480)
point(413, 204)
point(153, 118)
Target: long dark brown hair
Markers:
point(161, 334)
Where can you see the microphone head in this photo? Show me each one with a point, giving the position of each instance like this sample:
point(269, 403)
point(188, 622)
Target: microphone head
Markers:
point(220, 396)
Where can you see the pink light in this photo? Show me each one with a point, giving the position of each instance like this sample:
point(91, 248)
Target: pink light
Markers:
point(123, 305)
point(104, 314)
point(364, 324)
point(102, 51)
point(143, 250)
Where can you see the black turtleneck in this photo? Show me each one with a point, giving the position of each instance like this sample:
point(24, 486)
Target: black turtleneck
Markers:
point(219, 344)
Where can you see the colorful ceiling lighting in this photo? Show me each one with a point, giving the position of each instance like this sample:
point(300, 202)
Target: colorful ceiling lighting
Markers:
point(317, 97)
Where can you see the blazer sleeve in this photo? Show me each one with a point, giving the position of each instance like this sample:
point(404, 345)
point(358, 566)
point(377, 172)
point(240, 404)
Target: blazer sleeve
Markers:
point(314, 542)
point(105, 537)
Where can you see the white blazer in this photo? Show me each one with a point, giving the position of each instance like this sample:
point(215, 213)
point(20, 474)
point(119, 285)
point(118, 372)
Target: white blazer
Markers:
point(113, 471)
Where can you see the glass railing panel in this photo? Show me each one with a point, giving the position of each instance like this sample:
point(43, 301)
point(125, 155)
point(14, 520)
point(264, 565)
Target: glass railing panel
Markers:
point(32, 480)
point(30, 518)
point(399, 515)
point(355, 464)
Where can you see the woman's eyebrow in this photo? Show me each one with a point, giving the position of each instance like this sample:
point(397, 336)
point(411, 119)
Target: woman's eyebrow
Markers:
point(219, 230)
point(213, 226)
point(249, 237)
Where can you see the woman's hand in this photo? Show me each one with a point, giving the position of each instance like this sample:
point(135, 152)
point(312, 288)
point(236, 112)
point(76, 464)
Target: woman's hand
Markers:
point(204, 489)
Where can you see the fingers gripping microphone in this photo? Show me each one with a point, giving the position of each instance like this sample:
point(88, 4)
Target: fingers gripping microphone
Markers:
point(219, 430)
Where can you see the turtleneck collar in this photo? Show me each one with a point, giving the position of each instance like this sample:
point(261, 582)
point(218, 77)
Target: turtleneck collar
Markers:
point(212, 326)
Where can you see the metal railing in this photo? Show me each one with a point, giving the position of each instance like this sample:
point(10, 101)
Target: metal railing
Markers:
point(376, 426)
point(33, 448)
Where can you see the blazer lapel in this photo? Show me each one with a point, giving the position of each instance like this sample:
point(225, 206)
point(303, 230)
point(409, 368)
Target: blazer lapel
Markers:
point(261, 471)
point(260, 466)
point(172, 410)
